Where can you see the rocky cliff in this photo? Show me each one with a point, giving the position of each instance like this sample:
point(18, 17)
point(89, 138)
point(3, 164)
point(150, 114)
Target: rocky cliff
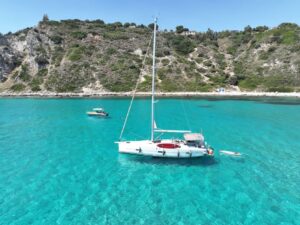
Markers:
point(80, 56)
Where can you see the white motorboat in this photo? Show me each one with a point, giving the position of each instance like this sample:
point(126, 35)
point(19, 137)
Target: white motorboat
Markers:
point(192, 145)
point(99, 112)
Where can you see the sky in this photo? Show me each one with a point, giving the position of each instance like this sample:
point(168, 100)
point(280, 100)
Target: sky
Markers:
point(198, 15)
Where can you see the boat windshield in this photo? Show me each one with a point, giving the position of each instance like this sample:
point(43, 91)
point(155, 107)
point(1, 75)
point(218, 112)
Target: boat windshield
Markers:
point(98, 109)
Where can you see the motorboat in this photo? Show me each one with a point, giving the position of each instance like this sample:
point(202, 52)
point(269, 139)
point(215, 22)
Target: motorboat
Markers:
point(98, 112)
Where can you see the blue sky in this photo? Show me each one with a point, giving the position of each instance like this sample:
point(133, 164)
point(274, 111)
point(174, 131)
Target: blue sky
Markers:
point(195, 14)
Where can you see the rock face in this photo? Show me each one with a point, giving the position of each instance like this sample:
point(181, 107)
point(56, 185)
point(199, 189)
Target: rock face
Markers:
point(9, 59)
point(83, 56)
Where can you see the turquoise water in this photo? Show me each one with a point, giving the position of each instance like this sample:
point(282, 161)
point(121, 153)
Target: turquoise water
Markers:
point(58, 166)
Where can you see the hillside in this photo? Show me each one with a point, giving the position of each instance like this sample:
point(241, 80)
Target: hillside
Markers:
point(79, 56)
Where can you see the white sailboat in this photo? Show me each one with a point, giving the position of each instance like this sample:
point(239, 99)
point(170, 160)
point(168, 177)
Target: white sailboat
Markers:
point(191, 146)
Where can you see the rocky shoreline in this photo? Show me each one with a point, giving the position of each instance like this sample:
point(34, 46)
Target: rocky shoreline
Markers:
point(145, 94)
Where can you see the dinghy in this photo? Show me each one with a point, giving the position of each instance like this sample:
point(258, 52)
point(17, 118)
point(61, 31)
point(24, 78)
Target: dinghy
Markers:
point(225, 152)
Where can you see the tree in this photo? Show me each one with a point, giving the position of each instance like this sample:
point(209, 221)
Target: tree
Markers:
point(45, 18)
point(99, 21)
point(182, 45)
point(117, 24)
point(261, 28)
point(151, 26)
point(180, 29)
point(233, 80)
point(288, 25)
point(141, 26)
point(248, 29)
point(211, 34)
point(126, 25)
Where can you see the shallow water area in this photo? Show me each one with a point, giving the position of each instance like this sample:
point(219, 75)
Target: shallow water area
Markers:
point(59, 166)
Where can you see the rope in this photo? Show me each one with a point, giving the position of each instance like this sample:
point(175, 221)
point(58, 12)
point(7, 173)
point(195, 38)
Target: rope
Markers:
point(135, 89)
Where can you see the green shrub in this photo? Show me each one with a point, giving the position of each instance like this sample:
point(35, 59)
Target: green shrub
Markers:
point(250, 83)
point(17, 87)
point(41, 60)
point(56, 39)
point(238, 67)
point(123, 74)
point(78, 35)
point(24, 73)
point(218, 79)
point(198, 86)
point(207, 63)
point(42, 72)
point(165, 61)
point(220, 58)
point(159, 53)
point(148, 61)
point(57, 56)
point(180, 29)
point(76, 53)
point(35, 84)
point(182, 45)
point(115, 35)
point(72, 81)
point(232, 50)
point(233, 80)
point(199, 60)
point(162, 72)
point(111, 51)
point(263, 55)
point(36, 88)
point(280, 83)
point(272, 49)
point(16, 61)
point(146, 84)
point(52, 23)
point(280, 89)
point(71, 24)
point(41, 50)
point(169, 85)
point(290, 37)
point(201, 70)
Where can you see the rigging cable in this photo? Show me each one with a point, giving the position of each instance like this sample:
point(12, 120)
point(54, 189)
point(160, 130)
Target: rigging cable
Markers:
point(185, 114)
point(135, 89)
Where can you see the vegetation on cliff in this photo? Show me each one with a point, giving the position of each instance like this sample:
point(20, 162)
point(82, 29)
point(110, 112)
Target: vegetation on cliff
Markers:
point(74, 55)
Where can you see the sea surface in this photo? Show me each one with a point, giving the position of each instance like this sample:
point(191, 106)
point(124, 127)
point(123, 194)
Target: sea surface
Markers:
point(59, 166)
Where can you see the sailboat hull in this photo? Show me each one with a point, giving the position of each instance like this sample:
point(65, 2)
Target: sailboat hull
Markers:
point(164, 149)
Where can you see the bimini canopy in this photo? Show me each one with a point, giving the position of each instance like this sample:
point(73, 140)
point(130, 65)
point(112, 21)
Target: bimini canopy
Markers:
point(98, 109)
point(193, 137)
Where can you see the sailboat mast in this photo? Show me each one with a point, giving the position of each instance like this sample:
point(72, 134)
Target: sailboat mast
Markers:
point(153, 81)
